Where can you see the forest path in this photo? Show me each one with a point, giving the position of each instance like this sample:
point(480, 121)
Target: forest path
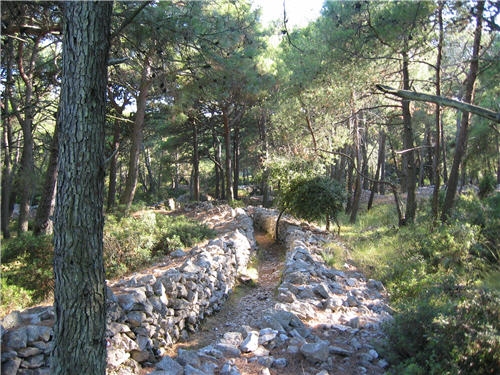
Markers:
point(350, 344)
point(245, 306)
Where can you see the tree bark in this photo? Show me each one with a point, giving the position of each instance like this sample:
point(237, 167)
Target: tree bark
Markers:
point(380, 163)
point(79, 345)
point(451, 191)
point(6, 176)
point(357, 162)
point(436, 170)
point(26, 175)
point(236, 161)
point(409, 169)
point(152, 189)
point(228, 194)
point(196, 163)
point(219, 172)
point(137, 138)
point(7, 171)
point(43, 224)
point(113, 164)
point(264, 155)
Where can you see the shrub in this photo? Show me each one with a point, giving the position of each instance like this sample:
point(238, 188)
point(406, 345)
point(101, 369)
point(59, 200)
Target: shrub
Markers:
point(487, 185)
point(27, 271)
point(14, 297)
point(130, 243)
point(413, 337)
point(478, 317)
point(178, 231)
point(446, 322)
point(133, 242)
point(315, 199)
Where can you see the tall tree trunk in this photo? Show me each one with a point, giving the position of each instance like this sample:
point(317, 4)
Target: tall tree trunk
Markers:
point(7, 171)
point(6, 176)
point(357, 161)
point(460, 148)
point(79, 345)
point(196, 163)
point(349, 179)
point(219, 173)
point(150, 177)
point(26, 176)
point(498, 158)
point(236, 161)
point(264, 155)
point(43, 224)
point(137, 137)
point(408, 156)
point(436, 170)
point(380, 163)
point(113, 167)
point(228, 164)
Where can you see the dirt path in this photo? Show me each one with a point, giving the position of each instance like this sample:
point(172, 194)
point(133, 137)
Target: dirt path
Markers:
point(246, 305)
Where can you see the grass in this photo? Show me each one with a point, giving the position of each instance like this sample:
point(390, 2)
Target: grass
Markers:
point(444, 283)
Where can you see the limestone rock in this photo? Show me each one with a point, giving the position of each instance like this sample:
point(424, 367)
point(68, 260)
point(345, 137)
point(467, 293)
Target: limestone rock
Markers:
point(315, 352)
point(251, 342)
point(169, 366)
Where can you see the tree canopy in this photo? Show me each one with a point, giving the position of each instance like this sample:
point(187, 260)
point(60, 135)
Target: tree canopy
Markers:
point(201, 95)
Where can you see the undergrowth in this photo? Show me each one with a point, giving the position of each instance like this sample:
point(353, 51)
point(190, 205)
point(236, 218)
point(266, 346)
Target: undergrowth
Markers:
point(443, 283)
point(130, 243)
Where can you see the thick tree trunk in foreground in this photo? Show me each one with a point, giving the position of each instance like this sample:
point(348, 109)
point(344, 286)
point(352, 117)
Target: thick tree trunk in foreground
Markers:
point(80, 291)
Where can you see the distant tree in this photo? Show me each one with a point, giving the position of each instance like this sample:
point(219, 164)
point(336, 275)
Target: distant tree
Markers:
point(79, 345)
point(27, 29)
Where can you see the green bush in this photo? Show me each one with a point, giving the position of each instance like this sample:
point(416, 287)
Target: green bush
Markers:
point(14, 297)
point(135, 241)
point(487, 185)
point(313, 199)
point(485, 214)
point(446, 321)
point(178, 231)
point(413, 337)
point(478, 319)
point(27, 273)
point(443, 335)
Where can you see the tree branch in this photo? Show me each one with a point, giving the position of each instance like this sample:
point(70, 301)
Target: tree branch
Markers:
point(421, 97)
point(129, 19)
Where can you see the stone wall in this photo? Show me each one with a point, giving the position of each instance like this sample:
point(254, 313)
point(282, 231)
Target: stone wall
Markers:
point(347, 309)
point(146, 312)
point(327, 319)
